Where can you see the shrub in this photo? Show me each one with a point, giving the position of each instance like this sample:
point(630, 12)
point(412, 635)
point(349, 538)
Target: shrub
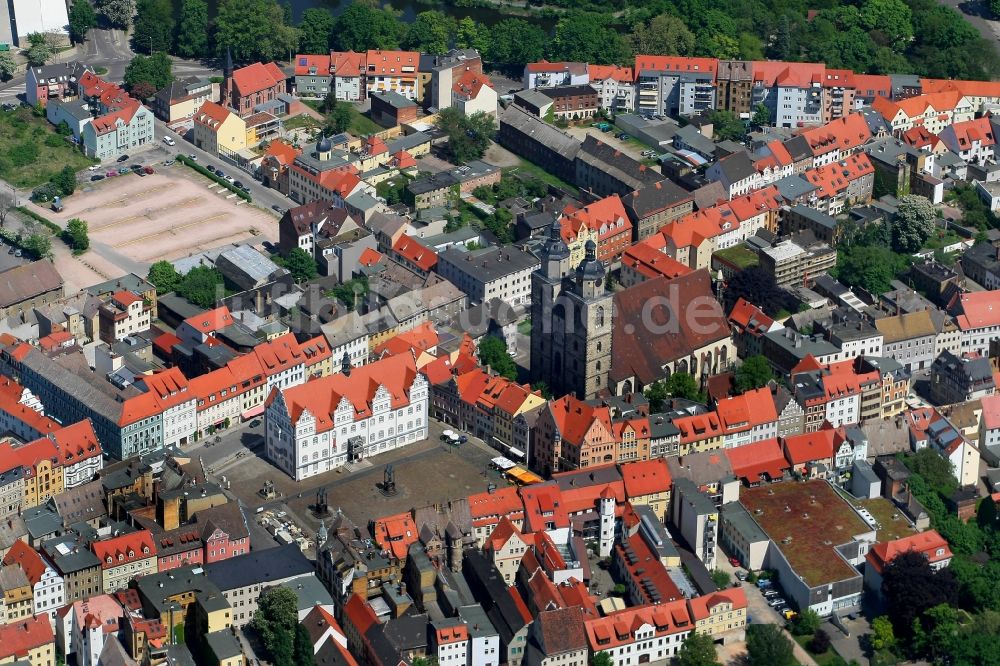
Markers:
point(183, 159)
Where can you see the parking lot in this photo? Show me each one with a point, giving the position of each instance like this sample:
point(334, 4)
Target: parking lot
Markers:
point(630, 148)
point(174, 212)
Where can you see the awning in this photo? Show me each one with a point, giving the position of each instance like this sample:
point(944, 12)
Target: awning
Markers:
point(252, 412)
point(517, 453)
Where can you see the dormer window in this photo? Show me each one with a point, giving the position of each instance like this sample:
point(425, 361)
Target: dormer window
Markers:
point(131, 554)
point(110, 560)
point(121, 558)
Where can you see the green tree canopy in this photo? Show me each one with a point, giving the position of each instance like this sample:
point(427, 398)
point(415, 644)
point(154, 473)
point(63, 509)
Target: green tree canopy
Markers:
point(163, 276)
point(869, 267)
point(698, 649)
point(39, 52)
point(911, 587)
point(75, 235)
point(81, 19)
point(192, 31)
point(513, 42)
point(431, 32)
point(468, 135)
point(203, 286)
point(301, 265)
point(493, 353)
point(365, 26)
point(148, 72)
point(117, 13)
point(338, 116)
point(38, 245)
point(589, 37)
point(253, 30)
point(65, 181)
point(727, 126)
point(665, 34)
point(806, 623)
point(316, 30)
point(913, 224)
point(882, 636)
point(683, 385)
point(656, 393)
point(767, 645)
point(753, 374)
point(154, 26)
point(890, 20)
point(275, 622)
point(602, 658)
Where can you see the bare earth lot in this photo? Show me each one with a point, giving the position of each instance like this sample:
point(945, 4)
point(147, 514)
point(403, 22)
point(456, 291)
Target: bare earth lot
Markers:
point(135, 221)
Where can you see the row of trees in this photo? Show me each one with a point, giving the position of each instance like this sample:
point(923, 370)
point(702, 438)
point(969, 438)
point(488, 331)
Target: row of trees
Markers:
point(202, 285)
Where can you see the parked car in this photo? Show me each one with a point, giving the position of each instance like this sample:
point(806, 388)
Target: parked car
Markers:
point(220, 174)
point(148, 170)
point(168, 163)
point(17, 253)
point(770, 593)
point(111, 174)
point(462, 439)
point(139, 172)
point(123, 171)
point(278, 209)
point(10, 251)
point(93, 167)
point(211, 168)
point(96, 178)
point(734, 561)
point(239, 185)
point(255, 423)
point(774, 603)
point(167, 140)
point(741, 575)
point(136, 167)
point(193, 157)
point(122, 158)
point(229, 179)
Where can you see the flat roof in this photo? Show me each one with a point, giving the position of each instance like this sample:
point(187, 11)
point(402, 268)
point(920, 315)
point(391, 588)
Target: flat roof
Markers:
point(807, 521)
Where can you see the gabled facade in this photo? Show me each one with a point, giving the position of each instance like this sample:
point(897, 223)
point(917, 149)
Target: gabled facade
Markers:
point(125, 557)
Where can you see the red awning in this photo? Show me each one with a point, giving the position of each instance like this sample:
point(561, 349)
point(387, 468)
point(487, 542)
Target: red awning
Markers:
point(252, 412)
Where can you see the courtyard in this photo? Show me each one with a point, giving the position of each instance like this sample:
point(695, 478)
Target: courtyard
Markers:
point(134, 221)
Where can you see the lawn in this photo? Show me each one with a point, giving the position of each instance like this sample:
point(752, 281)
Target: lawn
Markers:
point(361, 125)
point(543, 175)
point(739, 255)
point(828, 658)
point(303, 120)
point(28, 156)
point(937, 241)
point(893, 524)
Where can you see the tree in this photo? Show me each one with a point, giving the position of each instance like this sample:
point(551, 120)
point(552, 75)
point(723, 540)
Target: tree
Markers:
point(365, 26)
point(820, 642)
point(806, 623)
point(253, 30)
point(665, 34)
point(39, 52)
point(936, 470)
point(767, 645)
point(81, 19)
point(757, 287)
point(721, 579)
point(75, 235)
point(913, 224)
point(727, 126)
point(302, 654)
point(275, 621)
point(890, 19)
point(315, 31)
point(753, 374)
point(867, 267)
point(430, 32)
point(154, 26)
point(117, 13)
point(350, 293)
point(468, 135)
point(7, 66)
point(514, 42)
point(995, 8)
point(202, 285)
point(761, 116)
point(65, 180)
point(602, 658)
point(656, 394)
point(163, 276)
point(38, 245)
point(301, 265)
point(6, 205)
point(882, 636)
point(339, 117)
point(911, 587)
point(192, 31)
point(468, 35)
point(683, 385)
point(493, 353)
point(148, 72)
point(697, 650)
point(588, 37)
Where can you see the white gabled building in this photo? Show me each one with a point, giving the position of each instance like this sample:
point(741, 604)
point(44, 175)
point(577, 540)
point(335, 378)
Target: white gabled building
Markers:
point(47, 586)
point(323, 424)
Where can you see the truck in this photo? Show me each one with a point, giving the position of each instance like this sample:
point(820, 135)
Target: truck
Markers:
point(57, 205)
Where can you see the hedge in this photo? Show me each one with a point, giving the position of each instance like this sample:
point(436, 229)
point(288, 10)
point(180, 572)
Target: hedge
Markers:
point(184, 159)
point(48, 224)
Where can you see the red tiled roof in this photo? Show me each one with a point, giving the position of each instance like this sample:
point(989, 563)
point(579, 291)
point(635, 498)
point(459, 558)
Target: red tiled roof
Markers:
point(979, 309)
point(743, 412)
point(962, 136)
point(310, 64)
point(991, 412)
point(834, 178)
point(347, 63)
point(18, 638)
point(543, 504)
point(77, 442)
point(847, 133)
point(644, 259)
point(809, 447)
point(211, 321)
point(748, 318)
point(699, 427)
point(24, 556)
point(468, 85)
point(752, 461)
point(125, 548)
point(414, 252)
point(396, 534)
point(620, 628)
point(927, 543)
point(257, 77)
point(322, 396)
point(646, 570)
point(165, 389)
point(391, 63)
point(701, 607)
point(614, 72)
point(646, 477)
point(282, 152)
point(211, 115)
point(575, 418)
point(10, 396)
point(675, 64)
point(502, 533)
point(487, 508)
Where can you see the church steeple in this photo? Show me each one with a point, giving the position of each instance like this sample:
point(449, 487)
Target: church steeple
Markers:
point(227, 65)
point(345, 364)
